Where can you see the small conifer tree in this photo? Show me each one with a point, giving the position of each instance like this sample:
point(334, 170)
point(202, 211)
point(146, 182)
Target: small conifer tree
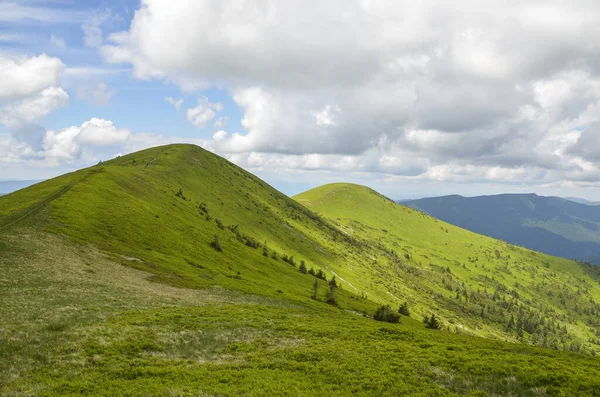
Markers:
point(432, 322)
point(320, 274)
point(404, 309)
point(302, 268)
point(333, 282)
point(331, 299)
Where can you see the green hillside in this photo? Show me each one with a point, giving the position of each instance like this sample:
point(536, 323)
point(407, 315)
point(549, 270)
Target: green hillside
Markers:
point(159, 210)
point(172, 272)
point(477, 284)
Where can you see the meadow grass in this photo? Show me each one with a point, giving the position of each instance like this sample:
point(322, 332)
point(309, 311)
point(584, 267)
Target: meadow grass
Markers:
point(110, 283)
point(76, 323)
point(474, 283)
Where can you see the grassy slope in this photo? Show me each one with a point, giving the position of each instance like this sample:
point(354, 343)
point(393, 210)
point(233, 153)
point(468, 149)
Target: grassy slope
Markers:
point(128, 207)
point(74, 321)
point(476, 283)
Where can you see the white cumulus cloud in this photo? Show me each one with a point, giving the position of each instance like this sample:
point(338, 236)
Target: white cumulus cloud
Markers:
point(437, 90)
point(21, 76)
point(203, 113)
point(33, 109)
point(69, 143)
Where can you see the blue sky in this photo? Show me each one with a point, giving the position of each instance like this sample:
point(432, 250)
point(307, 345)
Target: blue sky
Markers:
point(85, 66)
point(411, 99)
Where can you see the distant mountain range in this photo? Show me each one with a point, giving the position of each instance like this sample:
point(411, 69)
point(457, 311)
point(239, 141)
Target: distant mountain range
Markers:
point(582, 201)
point(552, 225)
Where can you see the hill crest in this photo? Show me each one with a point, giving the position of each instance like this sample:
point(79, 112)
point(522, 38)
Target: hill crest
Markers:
point(193, 219)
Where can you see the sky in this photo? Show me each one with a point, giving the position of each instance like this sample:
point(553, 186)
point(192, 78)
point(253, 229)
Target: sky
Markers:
point(414, 99)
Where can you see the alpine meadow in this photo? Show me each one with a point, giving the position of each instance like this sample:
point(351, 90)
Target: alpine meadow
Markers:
point(321, 198)
point(172, 271)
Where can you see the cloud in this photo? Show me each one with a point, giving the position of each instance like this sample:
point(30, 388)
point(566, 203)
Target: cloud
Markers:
point(203, 113)
point(69, 143)
point(21, 76)
point(587, 145)
point(437, 90)
point(82, 72)
point(374, 161)
point(80, 145)
point(282, 44)
point(6, 37)
point(99, 132)
point(278, 122)
point(221, 122)
point(176, 102)
point(326, 116)
point(97, 93)
point(33, 109)
point(57, 41)
point(29, 91)
point(74, 145)
point(93, 36)
point(62, 145)
point(15, 12)
point(219, 135)
point(22, 117)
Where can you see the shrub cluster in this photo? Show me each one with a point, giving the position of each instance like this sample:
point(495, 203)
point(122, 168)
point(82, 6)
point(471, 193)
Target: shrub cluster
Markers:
point(404, 309)
point(431, 322)
point(385, 313)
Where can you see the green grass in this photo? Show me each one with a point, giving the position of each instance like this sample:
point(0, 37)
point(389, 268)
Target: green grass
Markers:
point(111, 331)
point(181, 318)
point(129, 209)
point(460, 275)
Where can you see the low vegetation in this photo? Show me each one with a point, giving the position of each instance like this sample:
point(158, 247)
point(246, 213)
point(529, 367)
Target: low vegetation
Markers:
point(475, 284)
point(172, 272)
point(112, 331)
point(385, 313)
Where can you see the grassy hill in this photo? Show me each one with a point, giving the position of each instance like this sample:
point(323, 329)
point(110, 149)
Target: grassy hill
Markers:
point(162, 273)
point(479, 285)
point(159, 210)
point(552, 225)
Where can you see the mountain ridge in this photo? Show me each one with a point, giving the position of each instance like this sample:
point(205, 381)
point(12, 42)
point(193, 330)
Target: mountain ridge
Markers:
point(553, 225)
point(184, 265)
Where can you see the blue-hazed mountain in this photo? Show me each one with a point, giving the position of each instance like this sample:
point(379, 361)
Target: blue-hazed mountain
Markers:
point(551, 225)
point(582, 201)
